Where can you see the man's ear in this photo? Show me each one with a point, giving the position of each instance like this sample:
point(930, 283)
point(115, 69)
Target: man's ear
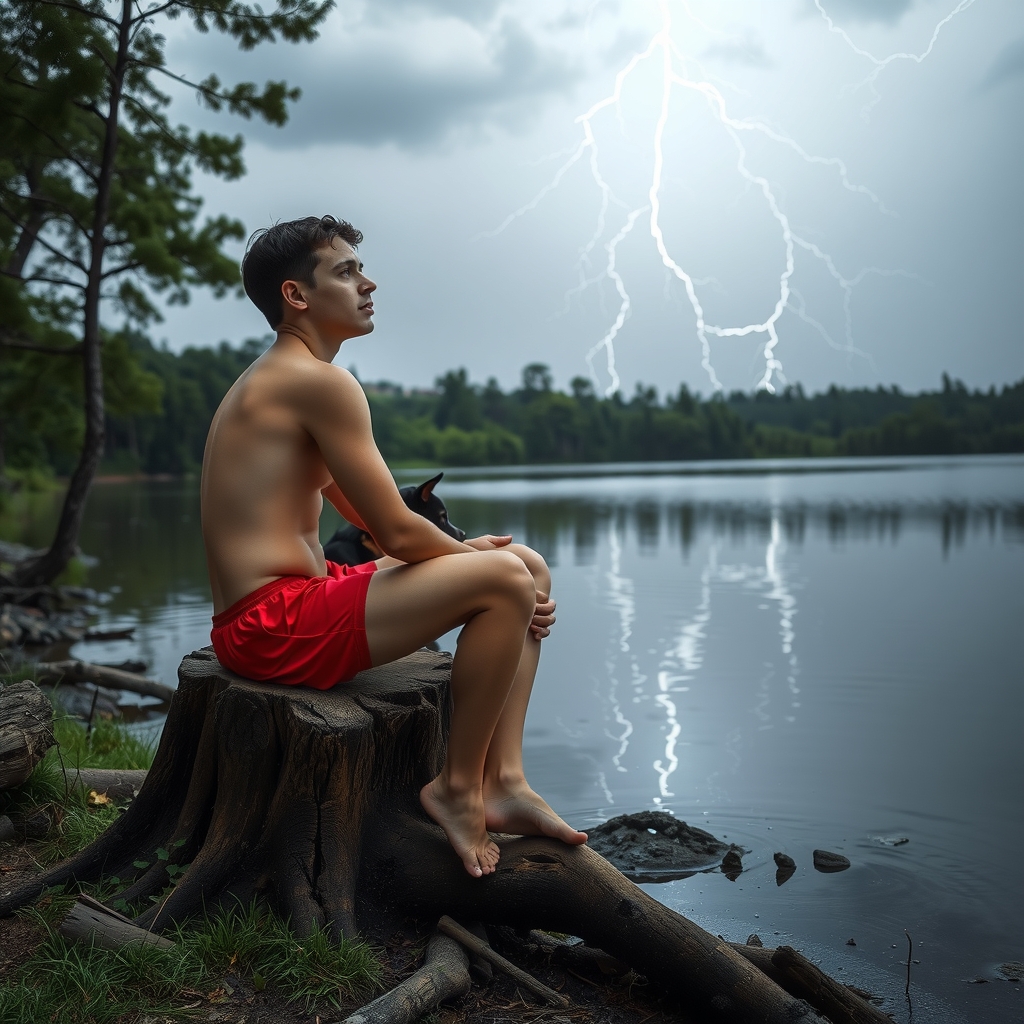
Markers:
point(427, 489)
point(292, 294)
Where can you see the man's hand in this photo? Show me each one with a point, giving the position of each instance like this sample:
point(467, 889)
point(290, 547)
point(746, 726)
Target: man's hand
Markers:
point(543, 617)
point(488, 542)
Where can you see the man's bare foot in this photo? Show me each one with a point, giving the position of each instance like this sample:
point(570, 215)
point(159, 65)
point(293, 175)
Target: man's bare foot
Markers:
point(462, 818)
point(517, 810)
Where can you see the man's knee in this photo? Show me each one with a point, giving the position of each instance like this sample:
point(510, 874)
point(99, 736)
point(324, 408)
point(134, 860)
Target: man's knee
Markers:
point(536, 565)
point(512, 574)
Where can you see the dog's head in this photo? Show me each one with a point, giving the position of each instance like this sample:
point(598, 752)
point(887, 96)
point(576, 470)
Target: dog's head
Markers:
point(424, 502)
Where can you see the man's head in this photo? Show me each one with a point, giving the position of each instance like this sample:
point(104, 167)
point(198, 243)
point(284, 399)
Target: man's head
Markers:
point(287, 264)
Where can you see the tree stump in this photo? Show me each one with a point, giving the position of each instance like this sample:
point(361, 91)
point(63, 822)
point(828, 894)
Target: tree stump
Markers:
point(309, 799)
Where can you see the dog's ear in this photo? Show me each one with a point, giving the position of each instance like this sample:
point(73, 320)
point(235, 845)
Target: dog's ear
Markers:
point(427, 489)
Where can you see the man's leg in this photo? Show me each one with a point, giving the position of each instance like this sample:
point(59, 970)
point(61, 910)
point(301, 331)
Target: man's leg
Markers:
point(494, 596)
point(510, 804)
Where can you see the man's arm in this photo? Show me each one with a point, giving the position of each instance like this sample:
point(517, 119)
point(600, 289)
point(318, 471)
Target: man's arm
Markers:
point(332, 492)
point(334, 410)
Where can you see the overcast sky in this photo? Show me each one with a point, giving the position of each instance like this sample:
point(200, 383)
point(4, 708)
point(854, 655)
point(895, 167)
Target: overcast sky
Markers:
point(436, 126)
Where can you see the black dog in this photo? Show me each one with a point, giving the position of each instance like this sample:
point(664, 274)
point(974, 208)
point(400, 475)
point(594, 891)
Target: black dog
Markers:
point(352, 546)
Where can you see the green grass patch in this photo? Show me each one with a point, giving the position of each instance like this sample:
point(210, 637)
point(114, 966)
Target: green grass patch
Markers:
point(75, 822)
point(69, 983)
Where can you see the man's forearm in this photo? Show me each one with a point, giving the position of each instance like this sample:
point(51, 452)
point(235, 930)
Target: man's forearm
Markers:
point(417, 539)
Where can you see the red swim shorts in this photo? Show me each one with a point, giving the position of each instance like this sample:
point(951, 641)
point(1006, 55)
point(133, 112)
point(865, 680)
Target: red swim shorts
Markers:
point(299, 630)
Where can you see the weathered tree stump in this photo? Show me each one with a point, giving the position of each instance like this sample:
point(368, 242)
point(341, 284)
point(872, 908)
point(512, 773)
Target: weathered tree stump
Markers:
point(308, 799)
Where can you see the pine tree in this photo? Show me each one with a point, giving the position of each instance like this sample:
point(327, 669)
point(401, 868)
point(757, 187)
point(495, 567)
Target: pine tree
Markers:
point(97, 210)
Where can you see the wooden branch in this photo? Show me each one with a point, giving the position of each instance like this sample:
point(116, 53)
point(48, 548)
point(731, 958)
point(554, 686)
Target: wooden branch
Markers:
point(101, 675)
point(482, 949)
point(105, 929)
point(444, 976)
point(115, 783)
point(50, 350)
point(26, 731)
point(799, 977)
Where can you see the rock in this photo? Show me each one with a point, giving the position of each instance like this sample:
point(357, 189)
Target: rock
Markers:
point(890, 840)
point(653, 846)
point(755, 940)
point(77, 701)
point(851, 942)
point(732, 865)
point(786, 868)
point(826, 861)
point(1011, 971)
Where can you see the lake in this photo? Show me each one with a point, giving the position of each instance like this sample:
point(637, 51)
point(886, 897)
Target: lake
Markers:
point(791, 655)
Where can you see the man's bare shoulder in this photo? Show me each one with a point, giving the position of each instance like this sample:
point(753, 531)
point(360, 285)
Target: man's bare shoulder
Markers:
point(297, 376)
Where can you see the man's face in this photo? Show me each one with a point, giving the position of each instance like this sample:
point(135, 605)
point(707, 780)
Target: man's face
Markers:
point(341, 303)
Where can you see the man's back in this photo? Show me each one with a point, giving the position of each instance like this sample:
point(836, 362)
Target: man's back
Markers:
point(262, 477)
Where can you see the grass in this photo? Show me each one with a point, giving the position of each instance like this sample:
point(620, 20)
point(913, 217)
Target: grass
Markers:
point(68, 983)
point(76, 823)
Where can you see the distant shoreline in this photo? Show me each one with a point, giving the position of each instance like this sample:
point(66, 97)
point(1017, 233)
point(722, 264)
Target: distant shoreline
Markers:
point(689, 467)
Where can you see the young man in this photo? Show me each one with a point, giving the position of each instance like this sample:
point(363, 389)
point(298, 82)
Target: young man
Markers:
point(293, 429)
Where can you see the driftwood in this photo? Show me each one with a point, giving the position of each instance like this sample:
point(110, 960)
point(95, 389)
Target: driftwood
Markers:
point(308, 799)
point(26, 731)
point(798, 976)
point(91, 922)
point(72, 671)
point(444, 976)
point(115, 783)
point(108, 634)
point(477, 945)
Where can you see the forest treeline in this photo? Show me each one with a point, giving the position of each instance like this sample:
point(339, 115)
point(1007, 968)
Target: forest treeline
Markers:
point(160, 405)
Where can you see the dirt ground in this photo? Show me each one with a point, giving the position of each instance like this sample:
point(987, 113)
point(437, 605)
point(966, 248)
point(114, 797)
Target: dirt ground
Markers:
point(597, 994)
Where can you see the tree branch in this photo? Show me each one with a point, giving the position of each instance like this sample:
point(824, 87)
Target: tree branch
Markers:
point(62, 282)
point(78, 9)
point(45, 244)
point(9, 339)
point(67, 155)
point(134, 265)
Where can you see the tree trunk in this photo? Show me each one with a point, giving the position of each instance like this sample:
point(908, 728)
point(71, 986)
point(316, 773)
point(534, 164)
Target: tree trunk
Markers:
point(50, 565)
point(308, 799)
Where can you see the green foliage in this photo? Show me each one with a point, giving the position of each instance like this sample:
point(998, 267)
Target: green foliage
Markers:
point(98, 216)
point(72, 983)
point(466, 424)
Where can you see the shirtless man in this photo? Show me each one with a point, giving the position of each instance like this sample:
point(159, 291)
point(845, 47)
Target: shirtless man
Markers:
point(294, 429)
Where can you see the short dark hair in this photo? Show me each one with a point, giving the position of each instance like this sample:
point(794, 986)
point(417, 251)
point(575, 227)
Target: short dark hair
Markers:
point(288, 252)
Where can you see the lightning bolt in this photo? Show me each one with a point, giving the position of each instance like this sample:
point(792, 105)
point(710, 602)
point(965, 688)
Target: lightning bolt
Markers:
point(673, 76)
point(881, 63)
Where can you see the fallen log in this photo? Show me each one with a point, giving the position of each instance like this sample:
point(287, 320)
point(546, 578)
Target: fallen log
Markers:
point(26, 731)
point(94, 923)
point(798, 976)
point(444, 976)
point(108, 634)
point(308, 799)
point(477, 945)
point(114, 783)
point(72, 671)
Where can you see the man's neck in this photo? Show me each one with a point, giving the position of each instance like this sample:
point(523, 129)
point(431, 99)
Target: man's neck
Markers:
point(318, 346)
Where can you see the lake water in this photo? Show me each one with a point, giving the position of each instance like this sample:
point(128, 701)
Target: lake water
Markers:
point(793, 656)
